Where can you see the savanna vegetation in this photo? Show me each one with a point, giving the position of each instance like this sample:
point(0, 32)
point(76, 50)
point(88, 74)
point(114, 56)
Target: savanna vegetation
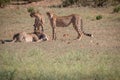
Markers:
point(96, 58)
point(65, 3)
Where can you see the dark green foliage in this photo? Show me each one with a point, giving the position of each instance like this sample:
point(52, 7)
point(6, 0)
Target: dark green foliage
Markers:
point(94, 3)
point(3, 3)
point(100, 3)
point(30, 9)
point(116, 9)
point(69, 2)
point(97, 3)
point(98, 17)
point(33, 0)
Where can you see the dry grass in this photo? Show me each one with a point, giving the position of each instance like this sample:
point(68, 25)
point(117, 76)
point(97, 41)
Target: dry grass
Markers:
point(95, 58)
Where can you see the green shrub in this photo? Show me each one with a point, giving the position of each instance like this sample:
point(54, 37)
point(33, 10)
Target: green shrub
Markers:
point(98, 17)
point(116, 9)
point(30, 9)
point(3, 3)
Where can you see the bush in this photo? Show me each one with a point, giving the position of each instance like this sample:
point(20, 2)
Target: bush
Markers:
point(32, 0)
point(97, 3)
point(100, 3)
point(98, 17)
point(66, 3)
point(116, 9)
point(30, 9)
point(94, 3)
point(3, 3)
